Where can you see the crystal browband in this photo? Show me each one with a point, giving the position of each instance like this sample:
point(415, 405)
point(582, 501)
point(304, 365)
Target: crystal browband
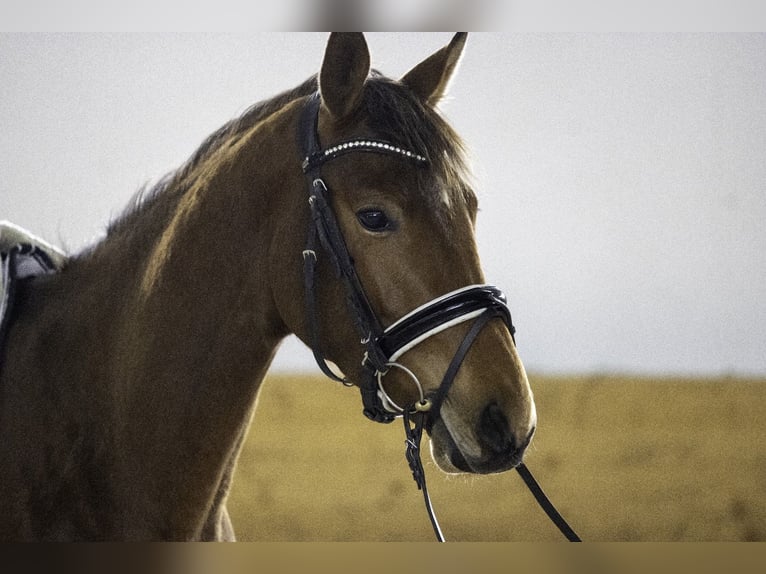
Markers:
point(368, 145)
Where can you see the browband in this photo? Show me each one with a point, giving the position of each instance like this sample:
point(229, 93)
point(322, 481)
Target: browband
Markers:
point(316, 159)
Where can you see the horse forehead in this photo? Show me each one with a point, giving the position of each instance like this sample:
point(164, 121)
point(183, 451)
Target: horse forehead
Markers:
point(419, 186)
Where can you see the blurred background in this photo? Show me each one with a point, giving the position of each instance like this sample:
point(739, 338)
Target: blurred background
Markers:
point(621, 177)
point(622, 187)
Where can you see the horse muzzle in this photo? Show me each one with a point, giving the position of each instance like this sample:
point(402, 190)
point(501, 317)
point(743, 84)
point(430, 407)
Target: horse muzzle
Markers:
point(487, 446)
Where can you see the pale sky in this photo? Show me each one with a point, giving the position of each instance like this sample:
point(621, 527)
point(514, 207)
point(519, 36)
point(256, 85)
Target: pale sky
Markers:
point(621, 178)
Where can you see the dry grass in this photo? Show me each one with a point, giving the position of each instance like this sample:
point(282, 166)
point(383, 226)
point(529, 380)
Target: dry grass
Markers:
point(622, 459)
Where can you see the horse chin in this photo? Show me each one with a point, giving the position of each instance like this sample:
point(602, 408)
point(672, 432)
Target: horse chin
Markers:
point(445, 451)
point(450, 459)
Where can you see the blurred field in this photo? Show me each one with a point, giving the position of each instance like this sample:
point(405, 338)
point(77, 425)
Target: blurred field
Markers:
point(623, 459)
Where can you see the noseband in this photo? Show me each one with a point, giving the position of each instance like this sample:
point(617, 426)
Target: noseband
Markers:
point(381, 347)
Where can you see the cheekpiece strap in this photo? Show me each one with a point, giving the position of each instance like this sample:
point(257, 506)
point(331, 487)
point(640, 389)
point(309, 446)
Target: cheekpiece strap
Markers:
point(325, 228)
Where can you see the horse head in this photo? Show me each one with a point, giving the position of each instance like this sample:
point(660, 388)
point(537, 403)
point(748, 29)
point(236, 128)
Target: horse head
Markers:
point(390, 176)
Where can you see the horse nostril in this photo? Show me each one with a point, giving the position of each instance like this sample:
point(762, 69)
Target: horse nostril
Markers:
point(495, 431)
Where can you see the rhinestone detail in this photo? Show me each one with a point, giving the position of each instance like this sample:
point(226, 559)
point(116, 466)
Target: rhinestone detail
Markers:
point(372, 146)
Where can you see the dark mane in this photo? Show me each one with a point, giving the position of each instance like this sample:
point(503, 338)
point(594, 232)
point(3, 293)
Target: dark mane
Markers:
point(392, 112)
point(177, 182)
point(248, 119)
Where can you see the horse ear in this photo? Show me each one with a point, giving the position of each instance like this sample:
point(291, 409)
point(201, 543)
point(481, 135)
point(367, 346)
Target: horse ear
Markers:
point(345, 68)
point(430, 78)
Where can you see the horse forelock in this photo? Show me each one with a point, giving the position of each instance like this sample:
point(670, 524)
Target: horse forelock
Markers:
point(393, 112)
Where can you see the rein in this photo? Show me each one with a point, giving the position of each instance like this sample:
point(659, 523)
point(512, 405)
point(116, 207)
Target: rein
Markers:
point(382, 347)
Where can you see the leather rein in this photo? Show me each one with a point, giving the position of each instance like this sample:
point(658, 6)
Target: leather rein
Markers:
point(382, 347)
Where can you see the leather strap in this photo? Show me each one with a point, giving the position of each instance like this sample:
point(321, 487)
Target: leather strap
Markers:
point(455, 364)
point(324, 226)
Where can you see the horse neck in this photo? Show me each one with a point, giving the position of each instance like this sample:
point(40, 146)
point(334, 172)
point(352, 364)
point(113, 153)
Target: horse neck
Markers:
point(183, 326)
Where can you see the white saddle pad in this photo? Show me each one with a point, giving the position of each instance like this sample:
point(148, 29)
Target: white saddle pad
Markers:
point(22, 255)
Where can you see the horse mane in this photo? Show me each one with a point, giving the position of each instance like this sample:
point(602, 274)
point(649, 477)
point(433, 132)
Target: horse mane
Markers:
point(177, 182)
point(392, 112)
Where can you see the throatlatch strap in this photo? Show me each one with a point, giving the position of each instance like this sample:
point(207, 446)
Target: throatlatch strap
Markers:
point(309, 265)
point(325, 226)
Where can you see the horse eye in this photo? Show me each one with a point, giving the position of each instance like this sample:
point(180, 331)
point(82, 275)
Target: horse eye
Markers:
point(374, 220)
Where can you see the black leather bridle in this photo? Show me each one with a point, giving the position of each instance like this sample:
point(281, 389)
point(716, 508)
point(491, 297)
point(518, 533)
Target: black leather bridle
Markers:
point(382, 346)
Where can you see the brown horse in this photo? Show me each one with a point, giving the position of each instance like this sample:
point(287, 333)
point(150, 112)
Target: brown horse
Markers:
point(129, 377)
